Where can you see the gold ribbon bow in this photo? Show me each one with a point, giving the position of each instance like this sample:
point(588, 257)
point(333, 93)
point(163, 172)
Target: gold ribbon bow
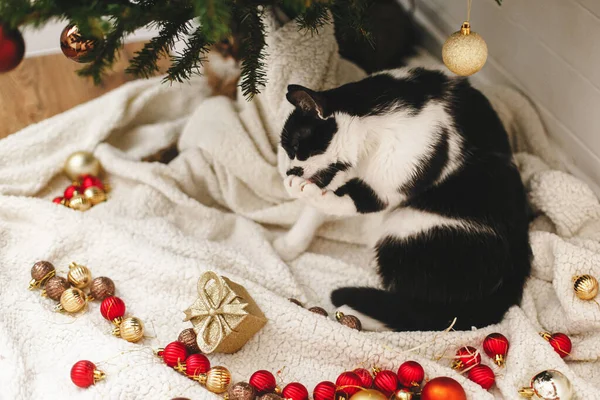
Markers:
point(211, 311)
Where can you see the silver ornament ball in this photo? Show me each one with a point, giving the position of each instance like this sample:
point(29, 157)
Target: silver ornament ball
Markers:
point(552, 385)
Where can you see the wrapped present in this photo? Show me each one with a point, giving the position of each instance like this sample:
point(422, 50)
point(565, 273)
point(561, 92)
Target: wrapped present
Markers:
point(224, 316)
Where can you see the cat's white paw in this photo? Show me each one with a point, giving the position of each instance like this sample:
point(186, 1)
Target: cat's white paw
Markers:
point(298, 187)
point(286, 250)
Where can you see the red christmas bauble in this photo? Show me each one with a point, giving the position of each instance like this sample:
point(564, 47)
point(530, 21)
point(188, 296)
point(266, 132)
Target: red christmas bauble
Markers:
point(482, 375)
point(263, 382)
point(443, 388)
point(324, 391)
point(295, 391)
point(496, 346)
point(196, 364)
point(70, 191)
point(57, 200)
point(561, 343)
point(84, 374)
point(466, 357)
point(410, 373)
point(174, 353)
point(365, 377)
point(90, 180)
point(12, 48)
point(112, 308)
point(386, 381)
point(348, 383)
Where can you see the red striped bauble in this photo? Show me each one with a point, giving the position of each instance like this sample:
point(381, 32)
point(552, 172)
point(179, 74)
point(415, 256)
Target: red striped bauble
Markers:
point(263, 382)
point(365, 377)
point(560, 343)
point(324, 391)
point(496, 346)
point(348, 383)
point(84, 374)
point(90, 180)
point(70, 191)
point(482, 375)
point(410, 373)
point(386, 381)
point(295, 391)
point(57, 200)
point(112, 308)
point(174, 353)
point(466, 357)
point(196, 364)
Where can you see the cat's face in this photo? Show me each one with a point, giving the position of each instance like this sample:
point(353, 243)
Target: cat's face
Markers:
point(308, 133)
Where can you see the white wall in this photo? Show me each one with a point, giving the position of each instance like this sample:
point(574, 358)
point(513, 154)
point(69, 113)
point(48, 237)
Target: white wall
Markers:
point(549, 49)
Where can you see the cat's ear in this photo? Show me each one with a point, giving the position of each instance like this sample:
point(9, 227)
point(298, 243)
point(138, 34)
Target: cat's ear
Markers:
point(309, 101)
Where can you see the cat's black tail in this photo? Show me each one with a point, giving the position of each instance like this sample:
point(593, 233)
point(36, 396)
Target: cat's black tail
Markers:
point(402, 314)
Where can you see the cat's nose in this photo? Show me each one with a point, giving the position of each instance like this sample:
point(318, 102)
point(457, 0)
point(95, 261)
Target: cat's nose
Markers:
point(298, 171)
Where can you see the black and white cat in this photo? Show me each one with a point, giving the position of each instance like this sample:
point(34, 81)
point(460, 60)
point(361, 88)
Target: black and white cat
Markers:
point(428, 153)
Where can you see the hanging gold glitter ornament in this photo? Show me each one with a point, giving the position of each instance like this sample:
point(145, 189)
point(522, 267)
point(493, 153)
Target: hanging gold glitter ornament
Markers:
point(94, 195)
point(585, 287)
point(216, 380)
point(79, 275)
point(72, 300)
point(131, 329)
point(81, 163)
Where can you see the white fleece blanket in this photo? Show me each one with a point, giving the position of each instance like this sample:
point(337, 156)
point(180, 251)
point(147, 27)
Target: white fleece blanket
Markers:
point(215, 207)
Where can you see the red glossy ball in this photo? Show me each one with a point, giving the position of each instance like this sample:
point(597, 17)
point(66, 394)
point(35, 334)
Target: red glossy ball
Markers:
point(466, 357)
point(295, 391)
point(70, 191)
point(12, 48)
point(561, 344)
point(57, 200)
point(263, 382)
point(174, 353)
point(112, 308)
point(91, 180)
point(410, 373)
point(349, 379)
point(324, 391)
point(82, 373)
point(482, 375)
point(196, 364)
point(386, 381)
point(443, 388)
point(365, 377)
point(496, 346)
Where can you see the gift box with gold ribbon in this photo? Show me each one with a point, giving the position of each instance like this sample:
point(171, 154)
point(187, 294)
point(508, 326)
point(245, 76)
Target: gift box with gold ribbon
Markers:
point(224, 316)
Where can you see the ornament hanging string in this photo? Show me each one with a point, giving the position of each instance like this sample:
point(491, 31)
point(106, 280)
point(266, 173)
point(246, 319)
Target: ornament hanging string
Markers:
point(469, 4)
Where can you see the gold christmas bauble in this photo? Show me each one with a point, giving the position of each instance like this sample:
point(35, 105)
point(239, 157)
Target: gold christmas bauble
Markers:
point(79, 275)
point(81, 163)
point(72, 300)
point(130, 329)
point(74, 46)
point(368, 394)
point(402, 394)
point(585, 286)
point(79, 202)
point(94, 195)
point(216, 380)
point(465, 52)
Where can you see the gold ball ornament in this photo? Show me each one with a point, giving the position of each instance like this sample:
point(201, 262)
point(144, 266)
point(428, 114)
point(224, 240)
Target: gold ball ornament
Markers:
point(368, 394)
point(79, 202)
point(402, 394)
point(94, 195)
point(40, 273)
point(130, 329)
point(585, 287)
point(55, 287)
point(74, 46)
point(72, 300)
point(81, 163)
point(79, 275)
point(465, 51)
point(216, 380)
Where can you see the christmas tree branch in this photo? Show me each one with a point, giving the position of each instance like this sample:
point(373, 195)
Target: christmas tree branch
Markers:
point(188, 63)
point(252, 49)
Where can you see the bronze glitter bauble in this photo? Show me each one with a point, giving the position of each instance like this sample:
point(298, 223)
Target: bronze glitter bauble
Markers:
point(55, 287)
point(296, 302)
point(350, 321)
point(130, 329)
point(40, 273)
point(464, 52)
point(101, 288)
point(188, 338)
point(74, 46)
point(216, 380)
point(270, 396)
point(79, 275)
point(241, 391)
point(72, 300)
point(585, 286)
point(318, 310)
point(81, 163)
point(94, 195)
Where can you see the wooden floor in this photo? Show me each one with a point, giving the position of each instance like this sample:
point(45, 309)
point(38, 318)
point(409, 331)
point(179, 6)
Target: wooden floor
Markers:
point(44, 86)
